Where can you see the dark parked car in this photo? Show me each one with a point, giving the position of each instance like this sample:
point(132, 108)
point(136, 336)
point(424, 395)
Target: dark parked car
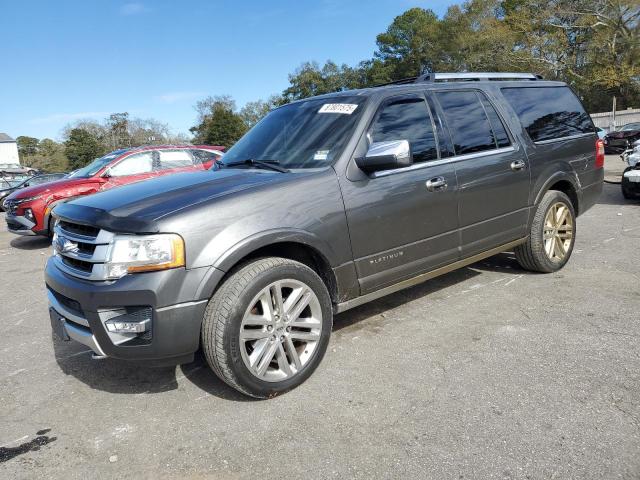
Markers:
point(620, 140)
point(327, 203)
point(7, 187)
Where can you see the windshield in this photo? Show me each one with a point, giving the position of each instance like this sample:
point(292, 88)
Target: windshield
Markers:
point(308, 134)
point(631, 126)
point(95, 166)
point(6, 184)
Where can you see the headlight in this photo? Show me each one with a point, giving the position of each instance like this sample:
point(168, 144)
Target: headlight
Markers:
point(132, 254)
point(20, 201)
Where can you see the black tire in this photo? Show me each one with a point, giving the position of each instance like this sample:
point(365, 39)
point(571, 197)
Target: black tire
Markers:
point(223, 319)
point(624, 186)
point(531, 255)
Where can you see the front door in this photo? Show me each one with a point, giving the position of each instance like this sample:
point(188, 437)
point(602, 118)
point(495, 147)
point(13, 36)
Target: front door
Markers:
point(400, 223)
point(492, 170)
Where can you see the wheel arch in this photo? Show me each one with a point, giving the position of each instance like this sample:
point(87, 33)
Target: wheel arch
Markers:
point(294, 245)
point(564, 183)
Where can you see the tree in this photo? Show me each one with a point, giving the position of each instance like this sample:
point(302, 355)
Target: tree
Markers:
point(219, 124)
point(50, 157)
point(252, 112)
point(82, 147)
point(310, 79)
point(118, 125)
point(412, 44)
point(26, 146)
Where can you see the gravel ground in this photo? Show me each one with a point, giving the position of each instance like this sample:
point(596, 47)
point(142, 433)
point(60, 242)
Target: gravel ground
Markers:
point(487, 372)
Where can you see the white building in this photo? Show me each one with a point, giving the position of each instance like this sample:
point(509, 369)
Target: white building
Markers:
point(8, 150)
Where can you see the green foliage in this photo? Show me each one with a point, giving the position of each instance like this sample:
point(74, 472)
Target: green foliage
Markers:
point(45, 155)
point(220, 125)
point(594, 45)
point(253, 112)
point(26, 146)
point(309, 80)
point(82, 147)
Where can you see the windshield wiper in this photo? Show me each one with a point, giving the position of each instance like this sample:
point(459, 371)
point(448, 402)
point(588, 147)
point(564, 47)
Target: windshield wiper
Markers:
point(265, 164)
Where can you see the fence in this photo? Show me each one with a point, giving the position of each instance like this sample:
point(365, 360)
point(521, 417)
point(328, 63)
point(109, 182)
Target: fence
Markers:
point(605, 120)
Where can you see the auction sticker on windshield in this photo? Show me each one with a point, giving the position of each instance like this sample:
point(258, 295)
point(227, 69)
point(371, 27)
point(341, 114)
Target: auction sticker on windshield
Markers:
point(345, 108)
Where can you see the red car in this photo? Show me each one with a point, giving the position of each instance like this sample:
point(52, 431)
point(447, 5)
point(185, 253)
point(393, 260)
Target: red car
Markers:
point(28, 210)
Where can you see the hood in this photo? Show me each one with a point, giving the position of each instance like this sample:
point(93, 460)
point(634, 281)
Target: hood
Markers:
point(135, 208)
point(623, 134)
point(49, 187)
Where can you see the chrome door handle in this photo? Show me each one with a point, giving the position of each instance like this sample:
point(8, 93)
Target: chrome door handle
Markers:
point(437, 184)
point(518, 165)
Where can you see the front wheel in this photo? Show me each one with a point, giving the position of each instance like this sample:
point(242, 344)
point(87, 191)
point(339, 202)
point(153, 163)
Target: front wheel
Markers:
point(551, 236)
point(267, 328)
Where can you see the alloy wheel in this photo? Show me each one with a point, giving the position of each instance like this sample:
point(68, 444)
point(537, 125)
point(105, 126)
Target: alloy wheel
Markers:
point(280, 330)
point(558, 231)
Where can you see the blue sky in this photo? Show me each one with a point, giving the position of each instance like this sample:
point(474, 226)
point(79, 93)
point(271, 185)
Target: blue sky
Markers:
point(67, 60)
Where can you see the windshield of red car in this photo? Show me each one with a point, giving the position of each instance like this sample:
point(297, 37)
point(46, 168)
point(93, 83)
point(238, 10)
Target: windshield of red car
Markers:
point(95, 166)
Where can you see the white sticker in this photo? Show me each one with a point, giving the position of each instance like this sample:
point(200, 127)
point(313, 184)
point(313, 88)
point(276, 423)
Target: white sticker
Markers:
point(345, 108)
point(321, 155)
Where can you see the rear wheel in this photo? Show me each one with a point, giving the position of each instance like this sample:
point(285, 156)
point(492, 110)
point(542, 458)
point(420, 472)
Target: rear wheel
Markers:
point(551, 237)
point(267, 327)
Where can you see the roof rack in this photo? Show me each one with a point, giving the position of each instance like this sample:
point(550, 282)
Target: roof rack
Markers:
point(475, 76)
point(464, 77)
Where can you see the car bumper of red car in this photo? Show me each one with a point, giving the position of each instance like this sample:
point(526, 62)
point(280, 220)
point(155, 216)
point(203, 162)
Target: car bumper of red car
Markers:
point(20, 225)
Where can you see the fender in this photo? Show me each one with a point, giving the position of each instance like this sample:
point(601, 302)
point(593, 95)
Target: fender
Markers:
point(268, 237)
point(570, 177)
point(50, 206)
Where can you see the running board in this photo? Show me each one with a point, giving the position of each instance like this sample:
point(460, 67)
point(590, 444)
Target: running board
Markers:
point(356, 302)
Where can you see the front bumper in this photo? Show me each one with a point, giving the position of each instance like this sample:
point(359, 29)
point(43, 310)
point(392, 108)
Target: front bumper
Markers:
point(631, 181)
point(19, 225)
point(173, 298)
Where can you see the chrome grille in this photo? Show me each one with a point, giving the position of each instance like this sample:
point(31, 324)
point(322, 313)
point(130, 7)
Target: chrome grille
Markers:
point(11, 206)
point(82, 250)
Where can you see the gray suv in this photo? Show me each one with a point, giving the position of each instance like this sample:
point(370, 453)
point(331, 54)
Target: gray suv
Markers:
point(327, 203)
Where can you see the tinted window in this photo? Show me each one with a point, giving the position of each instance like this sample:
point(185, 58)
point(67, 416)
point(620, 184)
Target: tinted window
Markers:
point(407, 119)
point(547, 113)
point(499, 132)
point(468, 123)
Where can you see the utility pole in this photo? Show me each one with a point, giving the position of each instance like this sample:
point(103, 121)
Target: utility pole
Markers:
point(613, 126)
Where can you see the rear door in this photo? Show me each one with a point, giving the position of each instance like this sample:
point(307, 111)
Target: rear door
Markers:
point(492, 170)
point(398, 226)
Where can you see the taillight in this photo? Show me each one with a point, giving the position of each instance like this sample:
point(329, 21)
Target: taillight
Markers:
point(599, 153)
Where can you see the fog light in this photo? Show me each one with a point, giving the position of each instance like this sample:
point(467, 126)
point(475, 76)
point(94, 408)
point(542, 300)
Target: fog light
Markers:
point(115, 325)
point(28, 214)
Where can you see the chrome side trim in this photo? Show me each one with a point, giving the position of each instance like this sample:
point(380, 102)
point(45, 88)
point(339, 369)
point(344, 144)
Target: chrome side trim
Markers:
point(349, 304)
point(562, 139)
point(442, 161)
point(180, 305)
point(83, 337)
point(64, 311)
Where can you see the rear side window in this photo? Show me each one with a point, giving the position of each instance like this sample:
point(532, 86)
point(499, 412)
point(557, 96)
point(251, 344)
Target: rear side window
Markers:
point(406, 119)
point(548, 113)
point(175, 159)
point(473, 123)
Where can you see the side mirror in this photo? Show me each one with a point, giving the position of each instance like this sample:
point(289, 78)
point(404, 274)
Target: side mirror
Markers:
point(386, 156)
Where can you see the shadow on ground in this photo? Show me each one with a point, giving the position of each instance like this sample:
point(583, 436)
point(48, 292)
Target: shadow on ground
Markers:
point(30, 243)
